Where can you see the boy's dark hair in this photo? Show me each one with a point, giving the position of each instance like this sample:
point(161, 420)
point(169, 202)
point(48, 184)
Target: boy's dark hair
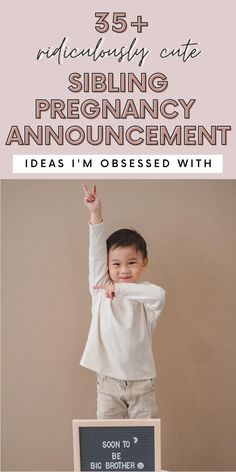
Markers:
point(127, 237)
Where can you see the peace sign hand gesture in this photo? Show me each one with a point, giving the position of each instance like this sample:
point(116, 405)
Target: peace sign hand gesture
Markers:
point(93, 203)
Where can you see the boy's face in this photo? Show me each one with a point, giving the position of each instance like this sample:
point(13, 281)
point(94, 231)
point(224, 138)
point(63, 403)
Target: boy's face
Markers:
point(125, 264)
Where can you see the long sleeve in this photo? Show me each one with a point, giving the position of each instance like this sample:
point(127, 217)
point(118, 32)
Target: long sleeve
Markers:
point(119, 342)
point(98, 270)
point(149, 294)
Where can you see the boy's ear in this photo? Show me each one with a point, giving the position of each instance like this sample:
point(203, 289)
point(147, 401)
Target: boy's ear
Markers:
point(145, 263)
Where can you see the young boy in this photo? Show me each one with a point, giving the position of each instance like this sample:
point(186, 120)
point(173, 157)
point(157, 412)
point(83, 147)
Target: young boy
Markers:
point(124, 315)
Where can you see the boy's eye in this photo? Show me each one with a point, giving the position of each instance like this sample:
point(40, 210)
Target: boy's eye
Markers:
point(133, 262)
point(115, 263)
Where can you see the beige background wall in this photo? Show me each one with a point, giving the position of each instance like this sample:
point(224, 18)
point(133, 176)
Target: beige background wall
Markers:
point(190, 228)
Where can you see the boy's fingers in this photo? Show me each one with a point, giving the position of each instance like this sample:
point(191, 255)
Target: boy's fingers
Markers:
point(89, 195)
point(104, 286)
point(85, 188)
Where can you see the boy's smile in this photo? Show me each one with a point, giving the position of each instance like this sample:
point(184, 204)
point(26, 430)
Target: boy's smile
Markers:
point(125, 264)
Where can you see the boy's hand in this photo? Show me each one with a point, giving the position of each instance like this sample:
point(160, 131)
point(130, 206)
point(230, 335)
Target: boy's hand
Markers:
point(108, 288)
point(91, 200)
point(93, 203)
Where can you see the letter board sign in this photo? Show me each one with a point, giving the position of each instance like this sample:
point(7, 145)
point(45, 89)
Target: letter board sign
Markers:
point(128, 445)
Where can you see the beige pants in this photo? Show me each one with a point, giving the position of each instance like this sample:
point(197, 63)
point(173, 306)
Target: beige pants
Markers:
point(125, 399)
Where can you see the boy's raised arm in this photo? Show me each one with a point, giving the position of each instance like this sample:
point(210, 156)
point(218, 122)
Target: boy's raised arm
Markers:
point(98, 271)
point(93, 203)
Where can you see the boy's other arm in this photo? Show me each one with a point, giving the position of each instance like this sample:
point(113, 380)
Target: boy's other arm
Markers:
point(152, 296)
point(146, 293)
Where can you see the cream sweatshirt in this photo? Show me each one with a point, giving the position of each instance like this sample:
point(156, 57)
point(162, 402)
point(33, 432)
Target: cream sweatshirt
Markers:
point(119, 342)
